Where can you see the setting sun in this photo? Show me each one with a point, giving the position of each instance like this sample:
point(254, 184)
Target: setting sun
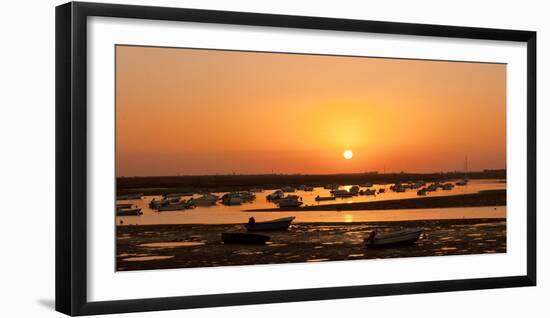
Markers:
point(348, 154)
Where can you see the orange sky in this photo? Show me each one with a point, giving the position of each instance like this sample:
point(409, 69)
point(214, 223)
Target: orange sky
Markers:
point(191, 111)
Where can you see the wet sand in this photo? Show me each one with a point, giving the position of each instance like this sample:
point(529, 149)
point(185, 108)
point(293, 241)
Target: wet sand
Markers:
point(147, 247)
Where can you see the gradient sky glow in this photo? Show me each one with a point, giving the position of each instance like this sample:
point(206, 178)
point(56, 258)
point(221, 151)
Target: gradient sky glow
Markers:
point(194, 112)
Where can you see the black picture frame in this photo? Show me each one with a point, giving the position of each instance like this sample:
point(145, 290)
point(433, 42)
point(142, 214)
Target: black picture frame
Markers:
point(71, 157)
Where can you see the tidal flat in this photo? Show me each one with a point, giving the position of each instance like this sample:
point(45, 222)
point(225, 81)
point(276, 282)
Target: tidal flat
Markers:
point(147, 247)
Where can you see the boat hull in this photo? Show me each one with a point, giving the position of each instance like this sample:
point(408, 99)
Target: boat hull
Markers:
point(399, 238)
point(129, 212)
point(244, 238)
point(274, 225)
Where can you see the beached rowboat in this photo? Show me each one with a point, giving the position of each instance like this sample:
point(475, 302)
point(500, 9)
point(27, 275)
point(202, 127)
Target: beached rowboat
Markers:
point(272, 225)
point(128, 212)
point(244, 238)
point(396, 238)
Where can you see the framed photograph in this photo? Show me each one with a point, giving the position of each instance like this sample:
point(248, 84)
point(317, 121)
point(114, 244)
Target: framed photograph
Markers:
point(213, 158)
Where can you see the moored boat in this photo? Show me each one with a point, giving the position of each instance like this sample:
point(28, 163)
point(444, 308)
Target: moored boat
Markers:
point(320, 198)
point(244, 238)
point(129, 212)
point(272, 225)
point(396, 238)
point(175, 207)
point(277, 195)
point(341, 193)
point(291, 201)
point(124, 205)
point(205, 200)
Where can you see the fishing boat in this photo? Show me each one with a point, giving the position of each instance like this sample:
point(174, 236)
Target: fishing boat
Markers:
point(341, 193)
point(124, 205)
point(131, 196)
point(237, 198)
point(320, 198)
point(129, 212)
point(422, 192)
point(396, 238)
point(281, 224)
point(175, 207)
point(291, 201)
point(232, 199)
point(155, 204)
point(369, 192)
point(277, 195)
point(244, 238)
point(205, 200)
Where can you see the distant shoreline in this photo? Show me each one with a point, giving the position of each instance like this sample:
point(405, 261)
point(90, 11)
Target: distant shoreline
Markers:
point(226, 183)
point(483, 198)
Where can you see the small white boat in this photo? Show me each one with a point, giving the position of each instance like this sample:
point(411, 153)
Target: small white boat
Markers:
point(396, 238)
point(320, 198)
point(129, 212)
point(272, 225)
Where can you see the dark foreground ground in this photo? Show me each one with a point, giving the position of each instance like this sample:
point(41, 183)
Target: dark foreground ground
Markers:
point(201, 246)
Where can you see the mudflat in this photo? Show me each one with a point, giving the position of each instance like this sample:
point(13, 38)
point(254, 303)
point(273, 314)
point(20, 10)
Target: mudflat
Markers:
point(146, 247)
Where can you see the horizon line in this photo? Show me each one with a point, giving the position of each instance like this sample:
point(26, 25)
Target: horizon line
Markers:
point(313, 174)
